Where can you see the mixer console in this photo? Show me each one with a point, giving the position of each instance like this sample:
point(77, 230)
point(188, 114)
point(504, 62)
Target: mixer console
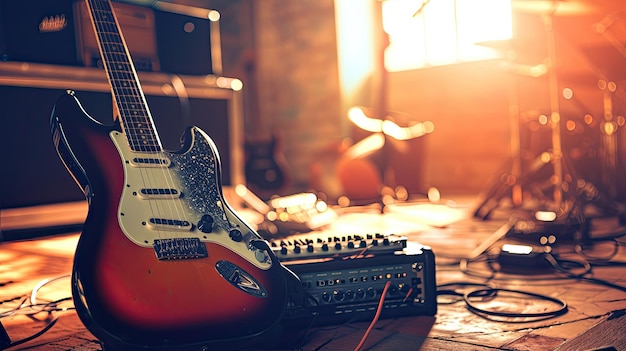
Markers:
point(297, 248)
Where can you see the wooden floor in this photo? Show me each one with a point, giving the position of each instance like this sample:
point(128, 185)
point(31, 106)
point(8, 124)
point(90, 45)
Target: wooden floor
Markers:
point(595, 318)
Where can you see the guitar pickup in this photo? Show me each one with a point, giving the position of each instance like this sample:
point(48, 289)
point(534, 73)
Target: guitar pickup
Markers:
point(169, 224)
point(159, 193)
point(157, 162)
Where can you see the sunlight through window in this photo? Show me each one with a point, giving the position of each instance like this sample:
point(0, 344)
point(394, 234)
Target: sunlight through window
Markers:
point(426, 33)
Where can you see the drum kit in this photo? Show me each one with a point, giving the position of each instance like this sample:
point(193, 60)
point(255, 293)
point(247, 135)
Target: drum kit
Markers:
point(550, 181)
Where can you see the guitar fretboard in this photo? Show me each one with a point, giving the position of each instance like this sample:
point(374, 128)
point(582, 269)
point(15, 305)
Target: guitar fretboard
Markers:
point(135, 116)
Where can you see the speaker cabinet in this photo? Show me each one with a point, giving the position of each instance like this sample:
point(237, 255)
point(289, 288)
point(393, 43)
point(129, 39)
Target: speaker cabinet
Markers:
point(38, 31)
point(137, 27)
point(161, 36)
point(34, 175)
point(188, 39)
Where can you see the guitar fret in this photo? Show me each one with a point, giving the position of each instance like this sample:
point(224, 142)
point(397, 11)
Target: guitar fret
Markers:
point(135, 117)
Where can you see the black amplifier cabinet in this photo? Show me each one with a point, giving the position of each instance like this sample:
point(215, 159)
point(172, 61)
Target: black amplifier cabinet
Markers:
point(33, 174)
point(188, 39)
point(137, 26)
point(38, 31)
point(350, 289)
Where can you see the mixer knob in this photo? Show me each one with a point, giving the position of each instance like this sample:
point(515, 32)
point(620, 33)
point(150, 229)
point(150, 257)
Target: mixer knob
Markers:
point(296, 249)
point(337, 246)
point(350, 295)
point(309, 248)
point(351, 245)
point(324, 247)
point(326, 296)
point(362, 244)
point(375, 242)
point(339, 295)
point(283, 250)
point(360, 294)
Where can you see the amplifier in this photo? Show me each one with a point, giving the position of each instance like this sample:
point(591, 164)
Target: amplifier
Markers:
point(29, 92)
point(37, 31)
point(349, 289)
point(137, 25)
point(188, 39)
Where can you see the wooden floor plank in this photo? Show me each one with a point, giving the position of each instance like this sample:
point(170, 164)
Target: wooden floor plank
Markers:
point(607, 334)
point(595, 317)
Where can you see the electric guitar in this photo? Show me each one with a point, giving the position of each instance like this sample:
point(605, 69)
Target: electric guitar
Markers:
point(265, 166)
point(163, 262)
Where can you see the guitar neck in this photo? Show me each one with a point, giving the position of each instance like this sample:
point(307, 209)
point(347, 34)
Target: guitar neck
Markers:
point(130, 101)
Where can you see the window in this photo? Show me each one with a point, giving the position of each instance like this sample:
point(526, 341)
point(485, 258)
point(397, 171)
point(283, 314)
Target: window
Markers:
point(426, 33)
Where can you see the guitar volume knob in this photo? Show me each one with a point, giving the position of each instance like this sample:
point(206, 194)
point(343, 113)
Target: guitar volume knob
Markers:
point(205, 224)
point(235, 235)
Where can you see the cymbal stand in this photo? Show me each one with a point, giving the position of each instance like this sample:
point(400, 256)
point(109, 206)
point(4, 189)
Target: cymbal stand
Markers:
point(609, 126)
point(555, 118)
point(515, 180)
point(570, 193)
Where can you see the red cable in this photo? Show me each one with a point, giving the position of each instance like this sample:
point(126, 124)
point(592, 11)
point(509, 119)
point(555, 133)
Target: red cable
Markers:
point(376, 316)
point(408, 294)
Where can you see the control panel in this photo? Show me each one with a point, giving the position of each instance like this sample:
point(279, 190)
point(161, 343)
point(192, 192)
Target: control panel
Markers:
point(350, 288)
point(317, 247)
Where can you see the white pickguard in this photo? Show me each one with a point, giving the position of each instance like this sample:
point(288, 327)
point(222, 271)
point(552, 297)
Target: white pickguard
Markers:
point(166, 195)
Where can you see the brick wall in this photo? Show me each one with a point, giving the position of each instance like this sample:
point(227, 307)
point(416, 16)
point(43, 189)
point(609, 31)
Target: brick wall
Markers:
point(291, 46)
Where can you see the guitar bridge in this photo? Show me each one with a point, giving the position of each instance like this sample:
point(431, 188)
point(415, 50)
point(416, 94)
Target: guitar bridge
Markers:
point(179, 248)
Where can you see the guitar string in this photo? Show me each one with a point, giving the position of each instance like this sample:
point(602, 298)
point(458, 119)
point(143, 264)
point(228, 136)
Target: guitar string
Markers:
point(131, 103)
point(98, 15)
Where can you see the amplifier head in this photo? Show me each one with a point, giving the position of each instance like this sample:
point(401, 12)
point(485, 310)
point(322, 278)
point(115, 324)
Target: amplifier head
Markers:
point(343, 290)
point(37, 31)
